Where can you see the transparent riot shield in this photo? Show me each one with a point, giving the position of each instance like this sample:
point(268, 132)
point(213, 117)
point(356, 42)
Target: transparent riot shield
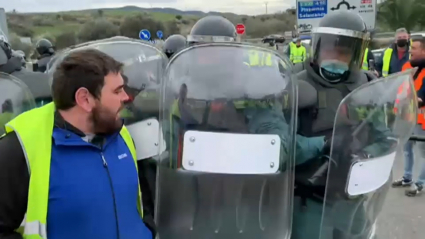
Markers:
point(372, 125)
point(142, 72)
point(228, 118)
point(15, 98)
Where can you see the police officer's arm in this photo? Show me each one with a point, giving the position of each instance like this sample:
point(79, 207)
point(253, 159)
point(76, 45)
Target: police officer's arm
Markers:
point(273, 122)
point(308, 148)
point(14, 183)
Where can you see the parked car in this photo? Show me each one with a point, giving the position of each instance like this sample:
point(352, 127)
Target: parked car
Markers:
point(275, 38)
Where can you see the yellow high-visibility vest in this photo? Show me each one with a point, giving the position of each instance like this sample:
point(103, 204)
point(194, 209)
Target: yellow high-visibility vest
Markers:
point(37, 147)
point(298, 54)
point(365, 65)
point(386, 60)
point(260, 58)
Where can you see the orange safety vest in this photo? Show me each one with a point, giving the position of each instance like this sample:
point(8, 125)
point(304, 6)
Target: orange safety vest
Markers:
point(418, 84)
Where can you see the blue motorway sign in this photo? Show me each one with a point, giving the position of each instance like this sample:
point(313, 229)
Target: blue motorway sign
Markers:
point(312, 9)
point(159, 34)
point(145, 35)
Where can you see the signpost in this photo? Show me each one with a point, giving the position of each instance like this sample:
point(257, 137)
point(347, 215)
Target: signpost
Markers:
point(159, 34)
point(145, 35)
point(309, 12)
point(240, 29)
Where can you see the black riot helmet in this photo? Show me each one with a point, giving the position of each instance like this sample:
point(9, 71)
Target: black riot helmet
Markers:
point(338, 45)
point(44, 46)
point(212, 29)
point(173, 44)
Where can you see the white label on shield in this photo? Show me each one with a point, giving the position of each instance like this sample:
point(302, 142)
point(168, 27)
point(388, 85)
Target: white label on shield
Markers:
point(228, 153)
point(146, 138)
point(368, 176)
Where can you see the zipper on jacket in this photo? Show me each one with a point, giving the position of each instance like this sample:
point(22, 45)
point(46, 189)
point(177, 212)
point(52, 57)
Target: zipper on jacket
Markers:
point(105, 165)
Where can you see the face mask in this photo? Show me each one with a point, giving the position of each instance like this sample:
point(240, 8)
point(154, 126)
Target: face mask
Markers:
point(401, 42)
point(333, 70)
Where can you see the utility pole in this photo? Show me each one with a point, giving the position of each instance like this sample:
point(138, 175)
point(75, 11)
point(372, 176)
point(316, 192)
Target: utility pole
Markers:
point(266, 6)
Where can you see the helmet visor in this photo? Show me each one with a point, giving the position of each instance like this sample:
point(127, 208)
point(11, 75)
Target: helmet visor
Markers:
point(193, 39)
point(339, 45)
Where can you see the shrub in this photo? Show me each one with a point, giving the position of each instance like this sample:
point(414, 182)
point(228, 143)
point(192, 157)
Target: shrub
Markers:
point(97, 29)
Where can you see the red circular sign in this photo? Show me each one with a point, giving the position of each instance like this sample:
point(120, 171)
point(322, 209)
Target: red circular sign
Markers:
point(240, 29)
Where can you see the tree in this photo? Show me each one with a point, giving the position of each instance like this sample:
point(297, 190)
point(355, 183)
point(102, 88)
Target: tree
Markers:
point(21, 29)
point(65, 40)
point(97, 29)
point(172, 28)
point(100, 12)
point(244, 20)
point(131, 25)
point(402, 13)
point(179, 17)
point(16, 44)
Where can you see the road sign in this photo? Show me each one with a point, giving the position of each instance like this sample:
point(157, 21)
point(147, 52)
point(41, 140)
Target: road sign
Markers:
point(145, 35)
point(309, 12)
point(240, 29)
point(159, 34)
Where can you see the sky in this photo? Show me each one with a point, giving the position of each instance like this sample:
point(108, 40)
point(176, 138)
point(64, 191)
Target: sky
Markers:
point(250, 7)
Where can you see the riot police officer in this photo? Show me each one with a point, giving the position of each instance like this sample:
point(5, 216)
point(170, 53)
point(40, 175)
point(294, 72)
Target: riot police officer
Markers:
point(45, 50)
point(37, 82)
point(173, 44)
point(218, 92)
point(334, 70)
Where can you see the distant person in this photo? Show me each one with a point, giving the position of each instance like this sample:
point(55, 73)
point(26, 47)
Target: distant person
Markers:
point(46, 50)
point(418, 60)
point(298, 53)
point(395, 56)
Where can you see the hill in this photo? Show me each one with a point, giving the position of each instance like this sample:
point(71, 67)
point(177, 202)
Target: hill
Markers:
point(71, 27)
point(40, 24)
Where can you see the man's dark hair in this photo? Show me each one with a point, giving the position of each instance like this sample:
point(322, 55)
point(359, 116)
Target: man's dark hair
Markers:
point(82, 68)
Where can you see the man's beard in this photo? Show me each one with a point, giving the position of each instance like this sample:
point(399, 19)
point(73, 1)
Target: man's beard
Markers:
point(105, 121)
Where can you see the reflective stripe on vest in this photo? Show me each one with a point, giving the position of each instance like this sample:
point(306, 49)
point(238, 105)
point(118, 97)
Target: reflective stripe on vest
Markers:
point(37, 148)
point(386, 61)
point(365, 65)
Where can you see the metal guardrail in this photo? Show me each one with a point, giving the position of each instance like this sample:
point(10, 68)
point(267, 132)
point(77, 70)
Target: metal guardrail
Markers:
point(417, 138)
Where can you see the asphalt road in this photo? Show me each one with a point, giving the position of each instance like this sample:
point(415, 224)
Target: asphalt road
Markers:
point(402, 217)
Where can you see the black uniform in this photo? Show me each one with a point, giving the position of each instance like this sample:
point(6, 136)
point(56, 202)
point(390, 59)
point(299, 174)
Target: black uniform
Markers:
point(333, 70)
